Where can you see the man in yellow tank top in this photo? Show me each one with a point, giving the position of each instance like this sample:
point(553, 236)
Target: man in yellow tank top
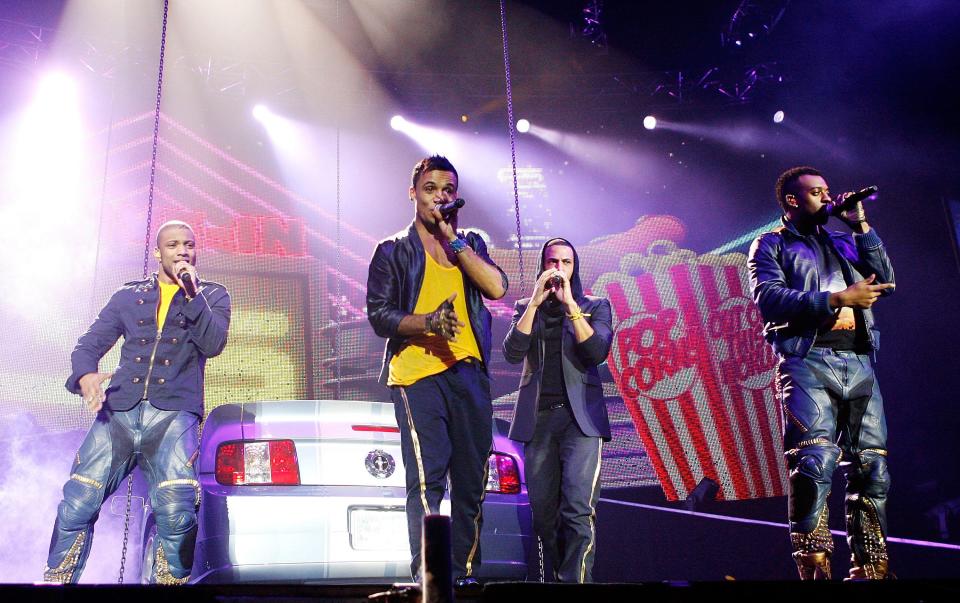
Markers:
point(424, 295)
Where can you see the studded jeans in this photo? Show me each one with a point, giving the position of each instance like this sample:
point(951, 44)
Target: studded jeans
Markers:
point(164, 445)
point(833, 415)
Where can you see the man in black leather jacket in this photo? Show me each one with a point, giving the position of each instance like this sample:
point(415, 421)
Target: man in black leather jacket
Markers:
point(561, 336)
point(149, 415)
point(424, 293)
point(815, 290)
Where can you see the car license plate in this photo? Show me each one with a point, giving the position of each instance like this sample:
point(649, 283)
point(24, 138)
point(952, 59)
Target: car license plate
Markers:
point(378, 528)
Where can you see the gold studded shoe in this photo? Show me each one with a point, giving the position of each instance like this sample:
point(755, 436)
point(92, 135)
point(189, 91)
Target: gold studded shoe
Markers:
point(813, 566)
point(877, 570)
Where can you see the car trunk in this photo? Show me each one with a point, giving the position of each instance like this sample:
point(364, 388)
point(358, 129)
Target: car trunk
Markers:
point(356, 443)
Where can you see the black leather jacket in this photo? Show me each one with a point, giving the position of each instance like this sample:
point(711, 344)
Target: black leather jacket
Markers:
point(165, 366)
point(785, 282)
point(393, 285)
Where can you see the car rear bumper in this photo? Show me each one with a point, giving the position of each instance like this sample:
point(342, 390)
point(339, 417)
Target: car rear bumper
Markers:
point(303, 534)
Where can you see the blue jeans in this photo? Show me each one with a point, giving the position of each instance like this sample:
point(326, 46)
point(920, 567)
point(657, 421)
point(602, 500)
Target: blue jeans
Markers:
point(833, 416)
point(563, 480)
point(446, 427)
point(164, 444)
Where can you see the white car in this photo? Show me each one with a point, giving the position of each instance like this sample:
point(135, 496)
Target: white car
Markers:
point(313, 491)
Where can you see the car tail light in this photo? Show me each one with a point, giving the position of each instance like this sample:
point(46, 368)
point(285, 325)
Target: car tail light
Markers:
point(503, 475)
point(270, 462)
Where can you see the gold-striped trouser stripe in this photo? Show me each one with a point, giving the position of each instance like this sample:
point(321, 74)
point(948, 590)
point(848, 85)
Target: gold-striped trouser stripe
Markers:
point(86, 480)
point(183, 481)
point(416, 452)
point(479, 515)
point(179, 482)
point(796, 421)
point(593, 512)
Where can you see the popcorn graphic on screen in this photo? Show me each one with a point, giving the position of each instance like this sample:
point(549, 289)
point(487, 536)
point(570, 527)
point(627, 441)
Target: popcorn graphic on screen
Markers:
point(694, 371)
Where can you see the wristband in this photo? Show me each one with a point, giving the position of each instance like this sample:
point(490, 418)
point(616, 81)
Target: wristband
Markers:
point(458, 245)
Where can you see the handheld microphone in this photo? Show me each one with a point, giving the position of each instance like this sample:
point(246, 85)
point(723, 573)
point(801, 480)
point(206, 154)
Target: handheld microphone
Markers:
point(448, 209)
point(555, 282)
point(852, 199)
point(189, 286)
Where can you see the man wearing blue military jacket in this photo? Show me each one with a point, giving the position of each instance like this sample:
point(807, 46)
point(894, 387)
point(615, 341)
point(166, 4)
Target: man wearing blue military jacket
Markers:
point(171, 323)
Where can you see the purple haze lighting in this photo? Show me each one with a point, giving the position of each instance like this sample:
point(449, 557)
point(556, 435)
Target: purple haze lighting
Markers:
point(260, 201)
point(432, 140)
point(199, 167)
point(45, 164)
point(256, 175)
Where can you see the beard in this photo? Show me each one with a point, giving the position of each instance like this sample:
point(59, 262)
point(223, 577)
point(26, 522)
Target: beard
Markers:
point(821, 217)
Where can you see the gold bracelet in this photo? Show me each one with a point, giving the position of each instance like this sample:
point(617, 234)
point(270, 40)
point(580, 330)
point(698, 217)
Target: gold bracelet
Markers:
point(577, 315)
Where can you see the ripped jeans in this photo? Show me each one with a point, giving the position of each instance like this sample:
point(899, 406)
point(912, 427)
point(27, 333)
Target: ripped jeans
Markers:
point(164, 444)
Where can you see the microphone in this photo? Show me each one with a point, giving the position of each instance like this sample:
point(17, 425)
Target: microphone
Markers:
point(555, 282)
point(448, 209)
point(189, 286)
point(851, 200)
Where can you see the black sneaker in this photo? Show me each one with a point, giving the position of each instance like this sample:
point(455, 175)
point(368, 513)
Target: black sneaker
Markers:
point(467, 582)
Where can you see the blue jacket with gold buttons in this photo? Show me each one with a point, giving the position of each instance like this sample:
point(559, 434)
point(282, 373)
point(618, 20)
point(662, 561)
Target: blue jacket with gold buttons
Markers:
point(164, 365)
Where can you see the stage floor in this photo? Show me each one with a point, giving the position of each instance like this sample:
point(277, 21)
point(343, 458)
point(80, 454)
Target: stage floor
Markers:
point(904, 591)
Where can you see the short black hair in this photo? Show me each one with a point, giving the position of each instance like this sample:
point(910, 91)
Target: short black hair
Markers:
point(428, 164)
point(787, 181)
point(172, 224)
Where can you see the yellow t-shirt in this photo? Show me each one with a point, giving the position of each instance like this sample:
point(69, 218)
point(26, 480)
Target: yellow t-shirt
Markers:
point(167, 291)
point(429, 354)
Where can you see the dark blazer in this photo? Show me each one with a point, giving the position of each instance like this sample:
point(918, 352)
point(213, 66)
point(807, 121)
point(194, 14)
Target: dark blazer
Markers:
point(580, 374)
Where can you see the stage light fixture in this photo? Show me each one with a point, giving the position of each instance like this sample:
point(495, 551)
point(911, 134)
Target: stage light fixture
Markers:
point(778, 117)
point(55, 86)
point(260, 112)
point(649, 122)
point(523, 126)
point(431, 139)
point(464, 118)
point(45, 168)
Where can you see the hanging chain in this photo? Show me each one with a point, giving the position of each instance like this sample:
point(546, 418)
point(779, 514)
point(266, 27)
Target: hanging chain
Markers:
point(339, 305)
point(126, 528)
point(513, 140)
point(146, 255)
point(543, 575)
point(156, 139)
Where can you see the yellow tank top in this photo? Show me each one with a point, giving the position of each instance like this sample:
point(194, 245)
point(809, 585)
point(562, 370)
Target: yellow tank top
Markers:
point(429, 354)
point(167, 291)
